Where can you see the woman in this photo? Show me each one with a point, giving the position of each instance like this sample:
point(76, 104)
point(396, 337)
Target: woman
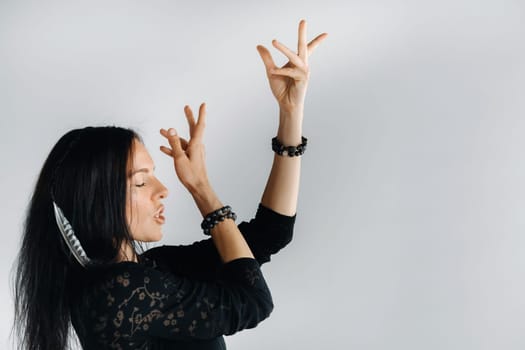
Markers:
point(97, 196)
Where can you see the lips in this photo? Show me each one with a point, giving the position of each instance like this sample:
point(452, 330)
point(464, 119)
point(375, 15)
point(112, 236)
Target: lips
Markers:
point(159, 217)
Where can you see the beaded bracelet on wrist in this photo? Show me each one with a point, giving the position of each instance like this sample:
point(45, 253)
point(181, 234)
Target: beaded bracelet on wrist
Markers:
point(215, 217)
point(290, 151)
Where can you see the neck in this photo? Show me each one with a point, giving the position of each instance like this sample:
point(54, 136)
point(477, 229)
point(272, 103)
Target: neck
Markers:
point(127, 253)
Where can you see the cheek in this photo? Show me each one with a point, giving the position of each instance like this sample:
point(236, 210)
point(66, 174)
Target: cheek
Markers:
point(132, 210)
point(137, 215)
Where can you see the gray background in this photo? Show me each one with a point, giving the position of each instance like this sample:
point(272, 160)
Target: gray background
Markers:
point(410, 226)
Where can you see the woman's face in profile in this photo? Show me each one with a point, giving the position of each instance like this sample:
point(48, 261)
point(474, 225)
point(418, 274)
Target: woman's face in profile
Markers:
point(144, 208)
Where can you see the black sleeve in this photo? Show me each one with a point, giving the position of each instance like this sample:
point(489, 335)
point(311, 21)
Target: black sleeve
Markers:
point(266, 234)
point(199, 260)
point(147, 303)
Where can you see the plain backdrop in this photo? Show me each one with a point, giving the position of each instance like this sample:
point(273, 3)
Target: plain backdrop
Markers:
point(410, 225)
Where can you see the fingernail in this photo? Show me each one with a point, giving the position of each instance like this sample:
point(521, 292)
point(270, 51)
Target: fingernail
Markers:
point(172, 132)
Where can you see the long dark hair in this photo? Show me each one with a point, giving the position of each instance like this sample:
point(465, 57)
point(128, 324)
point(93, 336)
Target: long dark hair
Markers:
point(86, 175)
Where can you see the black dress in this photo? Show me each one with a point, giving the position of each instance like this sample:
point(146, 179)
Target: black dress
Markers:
point(182, 297)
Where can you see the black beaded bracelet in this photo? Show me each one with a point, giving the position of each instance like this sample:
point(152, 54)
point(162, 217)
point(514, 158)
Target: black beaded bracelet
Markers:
point(215, 217)
point(290, 151)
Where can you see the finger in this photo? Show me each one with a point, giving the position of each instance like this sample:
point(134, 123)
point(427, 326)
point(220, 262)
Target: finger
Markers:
point(302, 47)
point(166, 150)
point(191, 120)
point(293, 73)
point(164, 132)
point(292, 56)
point(201, 123)
point(266, 56)
point(183, 142)
point(174, 141)
point(312, 45)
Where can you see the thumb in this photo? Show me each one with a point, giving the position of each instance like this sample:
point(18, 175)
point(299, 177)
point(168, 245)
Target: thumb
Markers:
point(266, 57)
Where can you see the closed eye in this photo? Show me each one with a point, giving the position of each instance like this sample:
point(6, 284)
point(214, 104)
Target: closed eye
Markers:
point(141, 185)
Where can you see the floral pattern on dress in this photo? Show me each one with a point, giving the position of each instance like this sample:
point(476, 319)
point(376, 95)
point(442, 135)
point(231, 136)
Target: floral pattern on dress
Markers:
point(139, 303)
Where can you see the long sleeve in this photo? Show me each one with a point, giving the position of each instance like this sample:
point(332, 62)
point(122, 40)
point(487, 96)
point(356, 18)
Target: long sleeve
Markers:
point(266, 234)
point(139, 304)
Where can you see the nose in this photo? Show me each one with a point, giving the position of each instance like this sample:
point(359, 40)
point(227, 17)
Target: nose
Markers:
point(162, 190)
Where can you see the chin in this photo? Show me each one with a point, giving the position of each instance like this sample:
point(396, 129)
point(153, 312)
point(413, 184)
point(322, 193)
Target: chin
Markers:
point(151, 238)
point(155, 238)
point(158, 237)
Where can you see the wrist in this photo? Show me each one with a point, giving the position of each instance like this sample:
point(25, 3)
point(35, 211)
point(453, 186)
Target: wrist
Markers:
point(205, 199)
point(289, 150)
point(290, 128)
point(215, 217)
point(294, 113)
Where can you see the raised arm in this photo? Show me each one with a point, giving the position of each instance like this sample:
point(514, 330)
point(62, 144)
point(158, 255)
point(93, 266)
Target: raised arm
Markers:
point(190, 166)
point(288, 85)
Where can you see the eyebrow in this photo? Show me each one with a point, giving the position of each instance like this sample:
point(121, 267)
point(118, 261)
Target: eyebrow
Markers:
point(142, 170)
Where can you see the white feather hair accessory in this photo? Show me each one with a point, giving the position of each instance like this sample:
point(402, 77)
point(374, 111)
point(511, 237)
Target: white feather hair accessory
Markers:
point(70, 238)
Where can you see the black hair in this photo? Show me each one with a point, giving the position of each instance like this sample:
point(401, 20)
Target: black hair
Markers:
point(86, 175)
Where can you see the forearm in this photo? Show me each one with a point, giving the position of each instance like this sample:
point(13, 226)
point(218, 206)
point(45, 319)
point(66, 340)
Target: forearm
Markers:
point(226, 236)
point(282, 188)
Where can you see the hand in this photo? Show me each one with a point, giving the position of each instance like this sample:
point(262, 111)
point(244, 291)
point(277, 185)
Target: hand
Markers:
point(289, 83)
point(188, 156)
